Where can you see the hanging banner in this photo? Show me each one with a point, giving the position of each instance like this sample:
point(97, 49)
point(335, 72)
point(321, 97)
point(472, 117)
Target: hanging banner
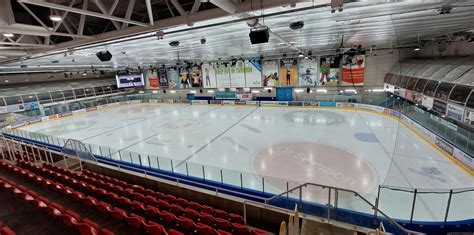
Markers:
point(353, 70)
point(288, 72)
point(209, 76)
point(183, 77)
point(329, 71)
point(253, 74)
point(195, 75)
point(307, 72)
point(163, 78)
point(270, 74)
point(222, 75)
point(173, 78)
point(151, 79)
point(237, 74)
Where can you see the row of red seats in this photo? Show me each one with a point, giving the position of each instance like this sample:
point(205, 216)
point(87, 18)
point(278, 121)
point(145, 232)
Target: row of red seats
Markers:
point(18, 154)
point(139, 193)
point(133, 220)
point(186, 218)
point(5, 230)
point(67, 217)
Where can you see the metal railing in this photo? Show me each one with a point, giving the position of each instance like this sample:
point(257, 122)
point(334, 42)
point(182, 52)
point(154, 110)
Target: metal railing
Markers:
point(22, 147)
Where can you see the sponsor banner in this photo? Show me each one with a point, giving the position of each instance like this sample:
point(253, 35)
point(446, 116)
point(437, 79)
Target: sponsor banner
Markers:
point(353, 70)
point(52, 117)
point(427, 102)
point(114, 104)
point(65, 114)
point(253, 74)
point(16, 125)
point(153, 100)
point(209, 76)
point(134, 101)
point(311, 103)
point(273, 103)
point(199, 102)
point(228, 102)
point(173, 79)
point(395, 114)
point(444, 145)
point(295, 103)
point(168, 101)
point(244, 96)
point(3, 109)
point(237, 74)
point(215, 102)
point(240, 102)
point(401, 92)
point(417, 97)
point(327, 104)
point(91, 109)
point(389, 87)
point(123, 102)
point(469, 117)
point(15, 108)
point(44, 118)
point(36, 120)
point(288, 72)
point(249, 102)
point(464, 158)
point(151, 79)
point(78, 111)
point(32, 105)
point(439, 106)
point(409, 95)
point(344, 105)
point(455, 112)
point(102, 106)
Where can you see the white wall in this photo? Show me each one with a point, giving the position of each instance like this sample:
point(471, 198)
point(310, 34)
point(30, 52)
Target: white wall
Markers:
point(378, 66)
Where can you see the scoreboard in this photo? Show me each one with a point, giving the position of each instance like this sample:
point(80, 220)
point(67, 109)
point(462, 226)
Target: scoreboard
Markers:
point(129, 79)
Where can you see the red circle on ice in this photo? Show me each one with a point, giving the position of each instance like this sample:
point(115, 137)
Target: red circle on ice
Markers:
point(316, 163)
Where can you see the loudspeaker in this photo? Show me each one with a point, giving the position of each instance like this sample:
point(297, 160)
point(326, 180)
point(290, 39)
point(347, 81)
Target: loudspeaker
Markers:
point(104, 55)
point(200, 90)
point(259, 35)
point(308, 90)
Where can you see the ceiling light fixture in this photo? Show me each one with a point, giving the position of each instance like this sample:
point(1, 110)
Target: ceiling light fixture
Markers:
point(300, 55)
point(417, 48)
point(8, 35)
point(55, 18)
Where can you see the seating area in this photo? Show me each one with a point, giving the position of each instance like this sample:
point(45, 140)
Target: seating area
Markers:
point(142, 210)
point(5, 230)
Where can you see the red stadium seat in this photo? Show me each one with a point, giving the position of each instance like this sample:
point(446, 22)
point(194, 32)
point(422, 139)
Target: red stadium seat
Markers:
point(222, 224)
point(154, 228)
point(204, 229)
point(184, 223)
point(240, 229)
point(190, 213)
point(135, 221)
point(177, 210)
point(236, 218)
point(206, 219)
point(118, 213)
point(256, 231)
point(174, 232)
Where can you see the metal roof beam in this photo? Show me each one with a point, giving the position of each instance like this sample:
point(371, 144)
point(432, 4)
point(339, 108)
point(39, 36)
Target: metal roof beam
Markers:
point(128, 14)
point(150, 12)
point(101, 7)
point(80, 11)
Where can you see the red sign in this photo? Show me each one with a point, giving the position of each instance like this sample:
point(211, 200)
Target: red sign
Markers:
point(154, 82)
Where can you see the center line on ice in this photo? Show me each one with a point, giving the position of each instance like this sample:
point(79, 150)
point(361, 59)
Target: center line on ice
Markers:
point(214, 139)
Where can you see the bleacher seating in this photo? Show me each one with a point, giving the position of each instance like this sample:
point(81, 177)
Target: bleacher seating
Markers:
point(5, 230)
point(69, 218)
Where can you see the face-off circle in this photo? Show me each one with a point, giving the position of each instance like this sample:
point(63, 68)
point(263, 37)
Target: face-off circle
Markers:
point(316, 163)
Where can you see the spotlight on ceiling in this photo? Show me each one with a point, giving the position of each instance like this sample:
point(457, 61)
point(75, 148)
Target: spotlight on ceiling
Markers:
point(203, 40)
point(417, 48)
point(8, 35)
point(300, 55)
point(55, 18)
point(174, 43)
point(297, 25)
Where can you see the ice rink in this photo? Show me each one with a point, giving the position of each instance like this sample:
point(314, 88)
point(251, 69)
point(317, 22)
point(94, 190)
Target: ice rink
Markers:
point(350, 149)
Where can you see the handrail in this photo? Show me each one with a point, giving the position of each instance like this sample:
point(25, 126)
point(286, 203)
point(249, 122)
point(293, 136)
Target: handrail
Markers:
point(392, 221)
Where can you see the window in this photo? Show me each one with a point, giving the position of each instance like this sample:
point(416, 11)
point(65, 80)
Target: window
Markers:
point(411, 83)
point(403, 81)
point(44, 98)
point(98, 90)
point(470, 101)
point(443, 90)
point(29, 98)
point(460, 94)
point(89, 91)
point(68, 95)
point(13, 100)
point(430, 88)
point(57, 96)
point(107, 90)
point(79, 93)
point(114, 88)
point(420, 85)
